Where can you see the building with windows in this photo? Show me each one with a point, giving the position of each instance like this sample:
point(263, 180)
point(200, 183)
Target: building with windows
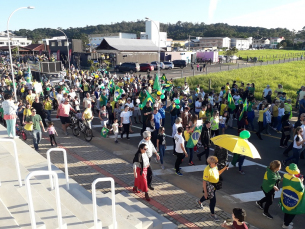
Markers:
point(274, 41)
point(152, 33)
point(15, 40)
point(219, 42)
point(241, 43)
point(261, 43)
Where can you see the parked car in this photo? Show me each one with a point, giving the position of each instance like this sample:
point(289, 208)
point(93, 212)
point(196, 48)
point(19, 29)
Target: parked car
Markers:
point(156, 64)
point(179, 63)
point(144, 67)
point(168, 65)
point(128, 67)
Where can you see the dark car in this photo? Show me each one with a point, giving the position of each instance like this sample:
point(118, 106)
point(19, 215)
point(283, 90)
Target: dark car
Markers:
point(128, 67)
point(146, 67)
point(179, 63)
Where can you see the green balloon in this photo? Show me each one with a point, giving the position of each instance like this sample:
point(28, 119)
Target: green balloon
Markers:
point(245, 134)
point(140, 106)
point(162, 96)
point(48, 89)
point(177, 101)
point(163, 91)
point(178, 107)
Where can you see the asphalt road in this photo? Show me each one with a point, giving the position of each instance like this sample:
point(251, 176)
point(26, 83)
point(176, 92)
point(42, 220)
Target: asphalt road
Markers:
point(238, 190)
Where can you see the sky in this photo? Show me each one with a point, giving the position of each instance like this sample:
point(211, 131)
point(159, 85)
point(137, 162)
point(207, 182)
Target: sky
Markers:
point(77, 13)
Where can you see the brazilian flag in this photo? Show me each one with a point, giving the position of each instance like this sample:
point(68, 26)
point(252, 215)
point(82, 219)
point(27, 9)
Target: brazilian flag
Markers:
point(103, 100)
point(292, 196)
point(117, 93)
point(111, 85)
point(194, 137)
point(190, 100)
point(148, 98)
point(243, 110)
point(164, 78)
point(142, 96)
point(167, 87)
point(104, 132)
point(250, 106)
point(157, 85)
point(231, 103)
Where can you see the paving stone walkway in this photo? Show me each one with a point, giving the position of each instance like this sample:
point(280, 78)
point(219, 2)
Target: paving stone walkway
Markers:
point(88, 162)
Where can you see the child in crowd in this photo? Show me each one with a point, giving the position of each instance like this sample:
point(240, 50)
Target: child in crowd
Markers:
point(115, 129)
point(52, 132)
point(238, 216)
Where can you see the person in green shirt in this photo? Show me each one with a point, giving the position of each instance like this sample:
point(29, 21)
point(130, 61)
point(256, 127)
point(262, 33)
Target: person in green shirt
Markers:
point(36, 120)
point(270, 186)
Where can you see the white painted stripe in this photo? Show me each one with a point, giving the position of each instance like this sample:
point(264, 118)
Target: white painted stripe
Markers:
point(53, 119)
point(130, 135)
point(169, 148)
point(254, 196)
point(96, 126)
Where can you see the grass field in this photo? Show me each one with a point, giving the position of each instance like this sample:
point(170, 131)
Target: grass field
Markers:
point(269, 54)
point(291, 75)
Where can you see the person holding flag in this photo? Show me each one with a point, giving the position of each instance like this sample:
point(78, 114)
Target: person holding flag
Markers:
point(231, 108)
point(191, 135)
point(292, 197)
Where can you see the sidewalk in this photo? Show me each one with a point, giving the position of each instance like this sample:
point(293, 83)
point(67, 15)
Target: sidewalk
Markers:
point(88, 161)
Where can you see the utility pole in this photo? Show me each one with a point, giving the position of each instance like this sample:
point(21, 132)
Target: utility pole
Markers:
point(189, 42)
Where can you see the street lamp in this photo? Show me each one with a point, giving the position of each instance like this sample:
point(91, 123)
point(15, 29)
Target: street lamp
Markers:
point(148, 19)
point(67, 46)
point(9, 46)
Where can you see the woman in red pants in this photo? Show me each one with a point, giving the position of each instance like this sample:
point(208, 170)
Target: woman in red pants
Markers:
point(140, 165)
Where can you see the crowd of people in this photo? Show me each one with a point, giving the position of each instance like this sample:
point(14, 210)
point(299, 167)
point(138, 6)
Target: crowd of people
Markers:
point(120, 101)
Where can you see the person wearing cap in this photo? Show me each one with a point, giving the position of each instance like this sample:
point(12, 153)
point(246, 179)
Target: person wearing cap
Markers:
point(292, 199)
point(266, 91)
point(150, 151)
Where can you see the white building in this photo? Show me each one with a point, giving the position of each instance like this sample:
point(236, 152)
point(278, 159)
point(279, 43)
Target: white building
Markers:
point(261, 43)
point(219, 42)
point(241, 43)
point(48, 41)
point(15, 40)
point(274, 41)
point(96, 39)
point(152, 33)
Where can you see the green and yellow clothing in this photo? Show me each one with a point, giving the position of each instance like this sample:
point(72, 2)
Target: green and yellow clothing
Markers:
point(214, 123)
point(261, 115)
point(211, 174)
point(275, 111)
point(223, 108)
point(86, 87)
point(48, 105)
point(270, 180)
point(186, 135)
point(202, 115)
point(36, 119)
point(88, 114)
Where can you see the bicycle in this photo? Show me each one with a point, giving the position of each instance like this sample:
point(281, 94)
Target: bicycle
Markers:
point(83, 127)
point(20, 132)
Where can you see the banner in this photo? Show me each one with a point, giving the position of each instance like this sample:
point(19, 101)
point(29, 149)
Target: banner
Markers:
point(58, 55)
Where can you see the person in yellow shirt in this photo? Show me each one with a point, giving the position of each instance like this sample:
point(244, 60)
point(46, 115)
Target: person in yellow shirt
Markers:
point(202, 113)
point(87, 115)
point(223, 107)
point(120, 83)
point(261, 119)
point(190, 151)
point(27, 112)
point(30, 97)
point(48, 107)
point(275, 114)
point(210, 177)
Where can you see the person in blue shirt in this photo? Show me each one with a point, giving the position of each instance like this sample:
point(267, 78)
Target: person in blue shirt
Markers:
point(158, 122)
point(162, 113)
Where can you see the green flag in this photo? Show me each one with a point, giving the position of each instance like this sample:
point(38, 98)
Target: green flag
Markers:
point(164, 78)
point(292, 198)
point(117, 93)
point(104, 132)
point(157, 85)
point(243, 110)
point(167, 87)
point(103, 100)
point(148, 98)
point(194, 137)
point(250, 106)
point(231, 103)
point(142, 96)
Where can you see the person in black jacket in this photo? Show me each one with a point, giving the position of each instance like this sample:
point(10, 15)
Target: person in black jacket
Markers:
point(222, 156)
point(205, 140)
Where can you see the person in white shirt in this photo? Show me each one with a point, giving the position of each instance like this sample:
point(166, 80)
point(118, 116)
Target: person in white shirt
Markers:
point(136, 111)
point(198, 105)
point(150, 151)
point(236, 97)
point(221, 94)
point(266, 91)
point(131, 109)
point(126, 121)
point(180, 150)
point(186, 89)
point(59, 97)
point(87, 100)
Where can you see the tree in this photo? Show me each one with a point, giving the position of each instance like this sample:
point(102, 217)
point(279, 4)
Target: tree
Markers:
point(231, 51)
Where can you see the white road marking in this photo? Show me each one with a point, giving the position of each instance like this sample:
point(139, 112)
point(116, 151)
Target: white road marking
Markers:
point(254, 196)
point(130, 135)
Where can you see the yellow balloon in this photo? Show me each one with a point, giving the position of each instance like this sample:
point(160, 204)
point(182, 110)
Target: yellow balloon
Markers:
point(159, 93)
point(96, 76)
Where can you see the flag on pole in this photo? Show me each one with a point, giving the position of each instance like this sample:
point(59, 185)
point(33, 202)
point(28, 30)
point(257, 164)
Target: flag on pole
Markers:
point(104, 132)
point(231, 103)
point(111, 85)
point(243, 110)
point(194, 137)
point(164, 78)
point(117, 93)
point(103, 100)
point(148, 98)
point(167, 87)
point(157, 85)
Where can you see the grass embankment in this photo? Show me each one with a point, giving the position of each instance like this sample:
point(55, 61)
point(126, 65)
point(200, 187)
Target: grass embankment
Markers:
point(269, 54)
point(291, 75)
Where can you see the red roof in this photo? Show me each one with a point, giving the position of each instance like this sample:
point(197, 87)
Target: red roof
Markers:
point(35, 47)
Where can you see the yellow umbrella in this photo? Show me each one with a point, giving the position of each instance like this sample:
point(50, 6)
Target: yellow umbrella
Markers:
point(236, 144)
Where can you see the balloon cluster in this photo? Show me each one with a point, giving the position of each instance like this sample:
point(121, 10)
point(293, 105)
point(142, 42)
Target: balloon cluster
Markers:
point(244, 134)
point(177, 102)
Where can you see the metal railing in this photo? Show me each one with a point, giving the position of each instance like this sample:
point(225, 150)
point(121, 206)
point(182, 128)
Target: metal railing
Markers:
point(112, 198)
point(30, 198)
point(16, 158)
point(66, 166)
